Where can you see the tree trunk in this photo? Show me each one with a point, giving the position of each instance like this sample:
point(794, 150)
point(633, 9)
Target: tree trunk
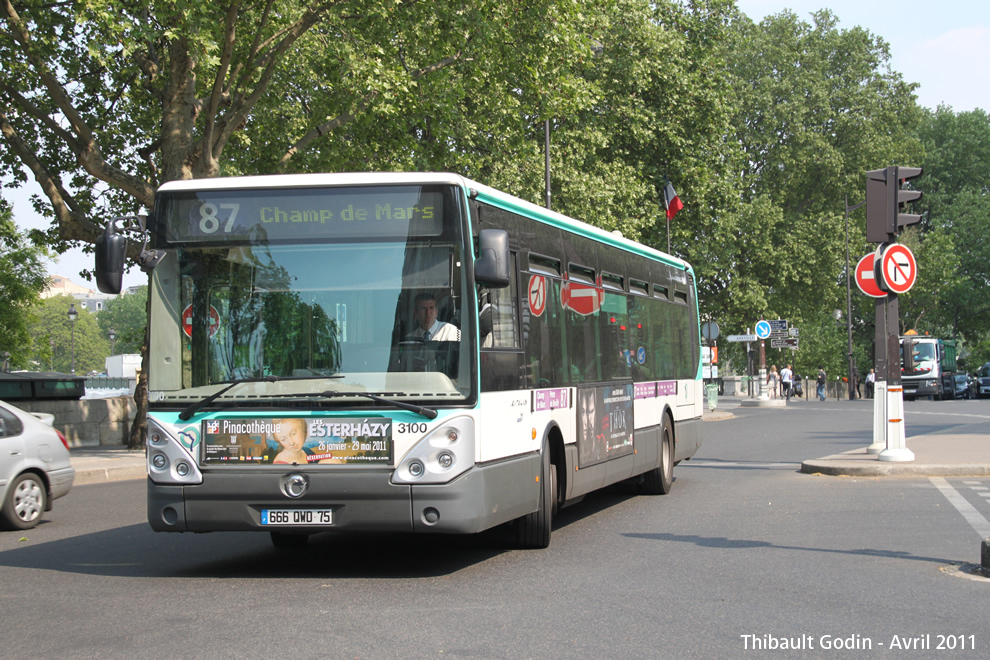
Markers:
point(139, 428)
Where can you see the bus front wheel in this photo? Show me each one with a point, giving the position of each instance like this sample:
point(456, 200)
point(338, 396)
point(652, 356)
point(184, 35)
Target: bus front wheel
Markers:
point(533, 530)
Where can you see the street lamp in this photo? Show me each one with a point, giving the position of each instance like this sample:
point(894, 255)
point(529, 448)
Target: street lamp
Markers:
point(73, 315)
point(113, 335)
point(849, 331)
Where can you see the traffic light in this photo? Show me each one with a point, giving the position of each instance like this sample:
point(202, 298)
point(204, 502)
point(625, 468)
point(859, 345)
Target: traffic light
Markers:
point(884, 197)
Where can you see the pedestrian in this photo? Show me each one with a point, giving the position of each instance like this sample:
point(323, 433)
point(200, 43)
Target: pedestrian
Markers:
point(871, 378)
point(772, 380)
point(821, 384)
point(859, 382)
point(786, 380)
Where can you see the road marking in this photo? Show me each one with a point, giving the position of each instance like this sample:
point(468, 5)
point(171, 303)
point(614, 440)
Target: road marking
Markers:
point(968, 511)
point(948, 414)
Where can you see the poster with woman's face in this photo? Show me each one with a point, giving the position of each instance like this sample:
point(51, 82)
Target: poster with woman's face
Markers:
point(605, 423)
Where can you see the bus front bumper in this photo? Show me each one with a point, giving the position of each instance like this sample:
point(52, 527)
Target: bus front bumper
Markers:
point(364, 501)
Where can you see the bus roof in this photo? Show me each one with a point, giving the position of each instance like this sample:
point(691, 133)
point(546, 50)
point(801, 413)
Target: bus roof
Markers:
point(474, 189)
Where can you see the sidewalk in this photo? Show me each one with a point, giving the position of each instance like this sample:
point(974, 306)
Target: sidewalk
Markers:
point(100, 464)
point(941, 455)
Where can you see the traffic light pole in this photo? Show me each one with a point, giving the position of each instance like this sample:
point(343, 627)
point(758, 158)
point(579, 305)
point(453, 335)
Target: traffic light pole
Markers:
point(883, 222)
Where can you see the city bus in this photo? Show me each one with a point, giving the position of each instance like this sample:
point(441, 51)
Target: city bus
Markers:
point(292, 388)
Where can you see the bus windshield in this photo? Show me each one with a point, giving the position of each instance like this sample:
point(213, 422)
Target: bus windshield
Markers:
point(378, 315)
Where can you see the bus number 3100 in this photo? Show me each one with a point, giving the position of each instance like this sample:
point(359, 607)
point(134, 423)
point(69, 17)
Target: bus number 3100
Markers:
point(411, 428)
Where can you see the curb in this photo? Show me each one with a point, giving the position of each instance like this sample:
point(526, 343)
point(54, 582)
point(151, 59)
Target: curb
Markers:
point(877, 468)
point(113, 473)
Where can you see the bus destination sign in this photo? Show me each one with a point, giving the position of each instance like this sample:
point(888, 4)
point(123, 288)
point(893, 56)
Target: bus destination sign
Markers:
point(260, 216)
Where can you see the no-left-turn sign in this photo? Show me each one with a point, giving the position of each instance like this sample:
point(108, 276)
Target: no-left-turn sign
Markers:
point(899, 268)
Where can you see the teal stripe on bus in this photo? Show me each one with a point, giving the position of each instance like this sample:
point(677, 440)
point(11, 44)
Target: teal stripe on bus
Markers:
point(583, 229)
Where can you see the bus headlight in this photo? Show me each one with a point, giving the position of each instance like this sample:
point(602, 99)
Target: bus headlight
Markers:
point(441, 455)
point(169, 462)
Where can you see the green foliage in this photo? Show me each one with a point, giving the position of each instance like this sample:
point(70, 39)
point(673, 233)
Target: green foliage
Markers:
point(128, 316)
point(954, 285)
point(816, 107)
point(55, 339)
point(22, 280)
point(766, 130)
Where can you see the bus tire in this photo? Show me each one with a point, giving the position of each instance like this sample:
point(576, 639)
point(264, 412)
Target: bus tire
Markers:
point(283, 540)
point(660, 479)
point(533, 529)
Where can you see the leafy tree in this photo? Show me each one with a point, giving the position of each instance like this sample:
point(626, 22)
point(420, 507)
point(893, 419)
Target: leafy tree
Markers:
point(56, 339)
point(127, 315)
point(103, 101)
point(22, 280)
point(818, 107)
point(956, 208)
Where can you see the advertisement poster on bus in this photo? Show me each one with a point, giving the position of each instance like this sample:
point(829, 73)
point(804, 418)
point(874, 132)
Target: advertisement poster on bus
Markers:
point(298, 441)
point(605, 423)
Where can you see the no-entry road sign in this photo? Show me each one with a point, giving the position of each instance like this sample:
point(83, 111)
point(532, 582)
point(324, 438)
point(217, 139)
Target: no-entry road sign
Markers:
point(866, 279)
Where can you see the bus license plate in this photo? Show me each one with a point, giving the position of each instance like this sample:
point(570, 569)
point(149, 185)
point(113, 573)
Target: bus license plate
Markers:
point(296, 517)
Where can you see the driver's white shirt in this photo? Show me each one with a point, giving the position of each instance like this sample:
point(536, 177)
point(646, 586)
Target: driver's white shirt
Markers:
point(441, 331)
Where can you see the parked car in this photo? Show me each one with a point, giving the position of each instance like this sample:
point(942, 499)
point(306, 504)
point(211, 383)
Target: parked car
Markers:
point(983, 381)
point(34, 466)
point(963, 383)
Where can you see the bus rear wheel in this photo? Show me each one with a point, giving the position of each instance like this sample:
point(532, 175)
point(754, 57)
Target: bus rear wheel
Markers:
point(660, 479)
point(533, 530)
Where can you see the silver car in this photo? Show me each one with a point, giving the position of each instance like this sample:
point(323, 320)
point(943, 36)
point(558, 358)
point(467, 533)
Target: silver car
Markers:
point(34, 466)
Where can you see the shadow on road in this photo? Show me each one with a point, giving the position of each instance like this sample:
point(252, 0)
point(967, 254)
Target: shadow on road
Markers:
point(745, 544)
point(137, 551)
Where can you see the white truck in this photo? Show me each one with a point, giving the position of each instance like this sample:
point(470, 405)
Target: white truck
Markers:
point(928, 367)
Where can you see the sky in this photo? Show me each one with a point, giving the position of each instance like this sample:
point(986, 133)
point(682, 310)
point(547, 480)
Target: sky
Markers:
point(942, 46)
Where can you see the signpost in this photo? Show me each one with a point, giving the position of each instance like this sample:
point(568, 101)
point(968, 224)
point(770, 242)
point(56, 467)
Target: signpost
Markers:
point(895, 271)
point(784, 342)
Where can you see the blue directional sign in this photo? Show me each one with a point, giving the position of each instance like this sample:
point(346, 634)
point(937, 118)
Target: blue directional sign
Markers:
point(763, 329)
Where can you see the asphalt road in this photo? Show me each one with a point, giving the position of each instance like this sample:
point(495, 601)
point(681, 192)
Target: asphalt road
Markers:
point(745, 552)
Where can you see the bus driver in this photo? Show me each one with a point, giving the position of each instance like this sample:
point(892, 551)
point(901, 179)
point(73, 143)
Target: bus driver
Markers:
point(428, 327)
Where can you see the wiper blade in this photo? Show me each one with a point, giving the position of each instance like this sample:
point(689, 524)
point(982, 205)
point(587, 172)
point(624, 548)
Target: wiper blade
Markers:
point(429, 413)
point(194, 407)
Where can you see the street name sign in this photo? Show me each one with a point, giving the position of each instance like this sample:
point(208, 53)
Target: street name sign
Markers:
point(741, 338)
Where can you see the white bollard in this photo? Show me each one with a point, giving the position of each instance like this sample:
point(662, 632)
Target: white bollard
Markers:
point(896, 441)
point(879, 418)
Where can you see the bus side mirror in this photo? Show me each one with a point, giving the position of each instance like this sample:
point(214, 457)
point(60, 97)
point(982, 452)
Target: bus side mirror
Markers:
point(111, 249)
point(491, 268)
